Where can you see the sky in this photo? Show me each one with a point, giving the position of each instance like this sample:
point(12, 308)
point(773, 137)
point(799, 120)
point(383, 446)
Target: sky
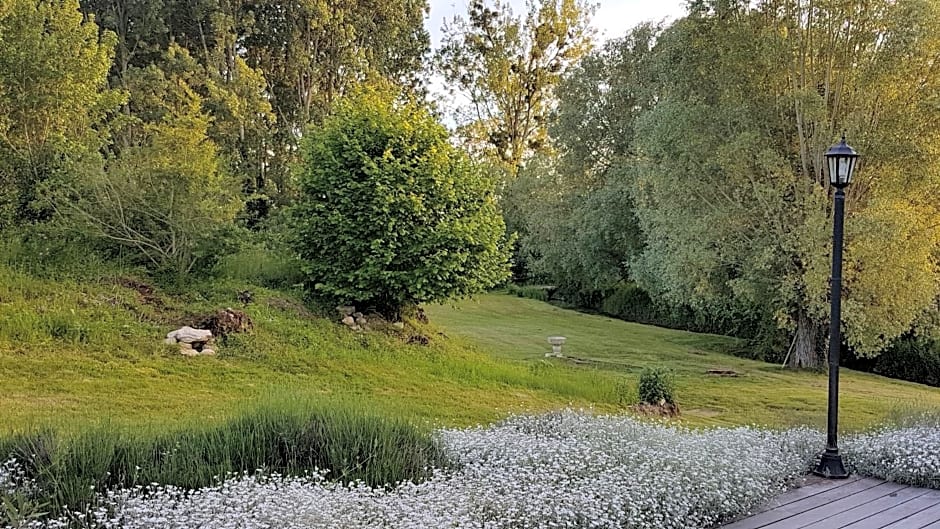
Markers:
point(613, 17)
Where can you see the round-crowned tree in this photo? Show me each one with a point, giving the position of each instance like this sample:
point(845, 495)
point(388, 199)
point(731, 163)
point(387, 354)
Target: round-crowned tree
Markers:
point(391, 214)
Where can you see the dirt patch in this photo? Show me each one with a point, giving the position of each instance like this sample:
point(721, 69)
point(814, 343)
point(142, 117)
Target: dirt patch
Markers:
point(656, 410)
point(418, 339)
point(225, 322)
point(723, 373)
point(145, 291)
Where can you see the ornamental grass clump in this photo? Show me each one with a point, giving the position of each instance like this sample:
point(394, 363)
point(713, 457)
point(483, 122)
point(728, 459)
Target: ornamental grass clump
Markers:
point(348, 444)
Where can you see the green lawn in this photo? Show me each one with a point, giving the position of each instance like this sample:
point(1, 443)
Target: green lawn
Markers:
point(516, 329)
point(78, 353)
point(75, 354)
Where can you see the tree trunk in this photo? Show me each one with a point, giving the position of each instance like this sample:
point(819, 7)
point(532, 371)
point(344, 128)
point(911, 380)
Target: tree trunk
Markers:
point(807, 344)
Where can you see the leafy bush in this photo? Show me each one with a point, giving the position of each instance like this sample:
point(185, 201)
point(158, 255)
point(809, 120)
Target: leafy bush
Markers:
point(346, 445)
point(164, 196)
point(912, 358)
point(631, 303)
point(391, 213)
point(656, 385)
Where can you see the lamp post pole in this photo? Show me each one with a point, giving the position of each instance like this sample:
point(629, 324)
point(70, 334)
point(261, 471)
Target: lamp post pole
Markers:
point(830, 464)
point(841, 160)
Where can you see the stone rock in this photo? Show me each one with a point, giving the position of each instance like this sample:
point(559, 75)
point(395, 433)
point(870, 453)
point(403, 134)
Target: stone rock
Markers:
point(346, 310)
point(207, 351)
point(349, 321)
point(358, 315)
point(400, 325)
point(361, 320)
point(189, 335)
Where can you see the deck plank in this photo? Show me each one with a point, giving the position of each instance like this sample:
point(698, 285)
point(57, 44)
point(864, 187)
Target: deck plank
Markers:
point(868, 509)
point(787, 510)
point(837, 507)
point(899, 513)
point(929, 517)
point(812, 487)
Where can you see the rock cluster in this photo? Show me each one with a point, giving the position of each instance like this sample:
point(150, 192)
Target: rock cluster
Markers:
point(358, 322)
point(192, 342)
point(352, 319)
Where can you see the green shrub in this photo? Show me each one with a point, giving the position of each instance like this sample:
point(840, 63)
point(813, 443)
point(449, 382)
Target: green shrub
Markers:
point(911, 358)
point(285, 439)
point(536, 292)
point(391, 213)
point(656, 386)
point(630, 302)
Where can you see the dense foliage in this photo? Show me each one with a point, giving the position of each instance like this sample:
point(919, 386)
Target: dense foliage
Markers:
point(391, 214)
point(52, 102)
point(656, 386)
point(706, 138)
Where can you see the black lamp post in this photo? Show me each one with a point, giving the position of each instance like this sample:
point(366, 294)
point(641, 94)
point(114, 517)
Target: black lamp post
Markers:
point(842, 160)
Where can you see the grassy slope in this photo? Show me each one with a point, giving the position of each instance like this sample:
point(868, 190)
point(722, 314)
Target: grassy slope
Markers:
point(76, 353)
point(516, 328)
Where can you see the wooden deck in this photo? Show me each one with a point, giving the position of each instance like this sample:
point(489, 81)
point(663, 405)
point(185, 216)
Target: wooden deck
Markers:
point(854, 503)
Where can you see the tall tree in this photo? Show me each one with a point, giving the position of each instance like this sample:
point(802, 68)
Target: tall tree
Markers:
point(574, 208)
point(312, 50)
point(507, 68)
point(139, 26)
point(53, 98)
point(732, 192)
point(163, 192)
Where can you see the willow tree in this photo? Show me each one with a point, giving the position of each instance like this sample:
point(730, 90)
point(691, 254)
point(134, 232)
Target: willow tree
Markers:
point(730, 187)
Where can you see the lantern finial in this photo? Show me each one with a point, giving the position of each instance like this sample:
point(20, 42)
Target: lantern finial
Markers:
point(842, 160)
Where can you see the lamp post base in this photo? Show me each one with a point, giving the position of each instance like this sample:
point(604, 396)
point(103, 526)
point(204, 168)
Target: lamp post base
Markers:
point(830, 465)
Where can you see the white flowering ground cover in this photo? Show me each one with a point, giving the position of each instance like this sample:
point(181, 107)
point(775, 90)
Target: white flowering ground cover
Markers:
point(561, 470)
